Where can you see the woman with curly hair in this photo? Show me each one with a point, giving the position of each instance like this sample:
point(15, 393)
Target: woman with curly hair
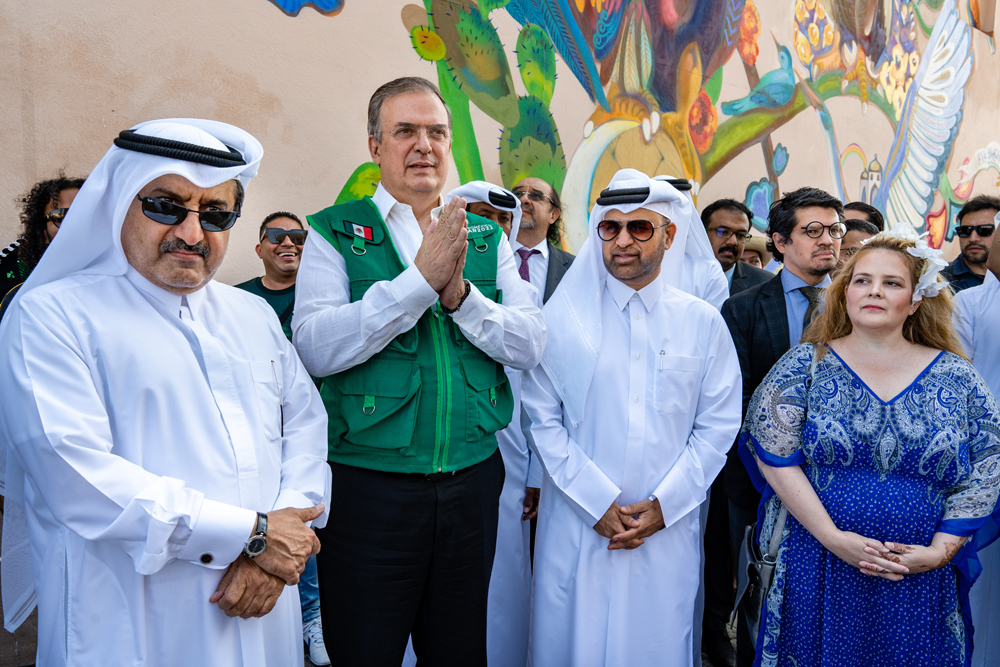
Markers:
point(882, 443)
point(42, 211)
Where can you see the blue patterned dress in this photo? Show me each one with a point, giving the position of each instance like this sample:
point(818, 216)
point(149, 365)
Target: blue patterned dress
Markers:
point(926, 461)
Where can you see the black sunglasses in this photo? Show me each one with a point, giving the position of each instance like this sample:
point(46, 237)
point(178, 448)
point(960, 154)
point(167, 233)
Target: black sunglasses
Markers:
point(277, 236)
point(965, 231)
point(533, 195)
point(167, 212)
point(56, 216)
point(640, 230)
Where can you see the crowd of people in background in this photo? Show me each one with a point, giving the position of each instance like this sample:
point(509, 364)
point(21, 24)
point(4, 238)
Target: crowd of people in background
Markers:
point(428, 434)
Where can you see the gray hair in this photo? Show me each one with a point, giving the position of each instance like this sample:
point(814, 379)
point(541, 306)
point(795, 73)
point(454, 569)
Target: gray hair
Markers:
point(406, 84)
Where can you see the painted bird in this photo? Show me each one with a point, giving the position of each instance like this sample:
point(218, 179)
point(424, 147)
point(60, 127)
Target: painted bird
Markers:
point(774, 90)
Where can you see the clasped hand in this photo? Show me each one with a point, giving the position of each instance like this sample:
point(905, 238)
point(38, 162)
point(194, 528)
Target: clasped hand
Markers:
point(893, 560)
point(441, 256)
point(627, 526)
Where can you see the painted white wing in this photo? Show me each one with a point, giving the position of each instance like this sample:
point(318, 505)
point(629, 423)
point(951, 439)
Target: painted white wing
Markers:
point(930, 120)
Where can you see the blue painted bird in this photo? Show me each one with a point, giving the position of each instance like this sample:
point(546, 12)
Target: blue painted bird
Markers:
point(774, 90)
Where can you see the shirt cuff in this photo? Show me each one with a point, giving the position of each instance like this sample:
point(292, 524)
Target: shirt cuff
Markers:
point(219, 535)
point(412, 292)
point(474, 311)
point(592, 493)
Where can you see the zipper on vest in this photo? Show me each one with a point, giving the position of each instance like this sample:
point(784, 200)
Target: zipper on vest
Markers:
point(443, 416)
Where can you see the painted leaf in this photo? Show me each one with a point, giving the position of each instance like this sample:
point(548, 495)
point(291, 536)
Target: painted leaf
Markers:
point(476, 59)
point(427, 44)
point(536, 60)
point(780, 160)
point(714, 86)
point(532, 147)
point(362, 183)
point(487, 6)
point(293, 7)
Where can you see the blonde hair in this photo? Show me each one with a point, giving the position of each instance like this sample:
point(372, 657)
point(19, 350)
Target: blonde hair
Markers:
point(931, 324)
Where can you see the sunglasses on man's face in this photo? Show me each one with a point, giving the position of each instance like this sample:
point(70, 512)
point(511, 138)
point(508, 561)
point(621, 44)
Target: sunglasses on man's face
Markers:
point(277, 236)
point(640, 230)
point(533, 195)
point(56, 216)
point(965, 231)
point(167, 212)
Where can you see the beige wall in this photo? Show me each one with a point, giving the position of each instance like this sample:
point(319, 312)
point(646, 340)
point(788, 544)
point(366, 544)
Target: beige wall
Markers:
point(75, 74)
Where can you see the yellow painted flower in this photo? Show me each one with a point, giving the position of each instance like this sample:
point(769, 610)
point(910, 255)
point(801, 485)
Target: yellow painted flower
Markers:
point(813, 34)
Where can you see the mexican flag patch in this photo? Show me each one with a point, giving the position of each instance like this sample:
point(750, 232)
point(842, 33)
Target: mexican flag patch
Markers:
point(360, 230)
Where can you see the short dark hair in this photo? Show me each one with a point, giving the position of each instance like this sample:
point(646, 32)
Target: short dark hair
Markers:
point(859, 225)
point(979, 203)
point(33, 239)
point(725, 205)
point(781, 217)
point(873, 213)
point(406, 84)
point(274, 216)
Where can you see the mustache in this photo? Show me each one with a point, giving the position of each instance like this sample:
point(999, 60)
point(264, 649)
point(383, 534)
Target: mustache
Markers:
point(731, 248)
point(170, 245)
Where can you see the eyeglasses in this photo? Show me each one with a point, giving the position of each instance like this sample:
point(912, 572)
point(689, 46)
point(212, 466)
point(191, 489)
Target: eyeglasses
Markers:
point(640, 230)
point(533, 195)
point(815, 229)
point(166, 212)
point(724, 234)
point(965, 231)
point(56, 215)
point(277, 236)
point(435, 133)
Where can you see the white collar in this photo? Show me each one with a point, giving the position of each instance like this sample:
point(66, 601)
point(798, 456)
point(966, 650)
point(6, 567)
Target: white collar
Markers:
point(622, 293)
point(170, 300)
point(385, 202)
point(542, 247)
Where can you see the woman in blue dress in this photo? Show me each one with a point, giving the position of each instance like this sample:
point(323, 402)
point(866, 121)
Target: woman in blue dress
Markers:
point(883, 443)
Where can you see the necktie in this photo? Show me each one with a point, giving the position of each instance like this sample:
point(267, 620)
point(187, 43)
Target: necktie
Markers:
point(813, 294)
point(525, 254)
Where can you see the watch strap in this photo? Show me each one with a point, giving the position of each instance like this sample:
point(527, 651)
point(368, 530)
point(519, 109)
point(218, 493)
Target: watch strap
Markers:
point(261, 524)
point(468, 290)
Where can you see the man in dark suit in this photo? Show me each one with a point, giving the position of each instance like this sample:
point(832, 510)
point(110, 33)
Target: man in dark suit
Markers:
point(542, 263)
point(805, 228)
point(727, 223)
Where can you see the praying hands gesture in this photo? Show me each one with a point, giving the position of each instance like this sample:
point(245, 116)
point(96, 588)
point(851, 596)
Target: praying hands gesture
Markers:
point(441, 256)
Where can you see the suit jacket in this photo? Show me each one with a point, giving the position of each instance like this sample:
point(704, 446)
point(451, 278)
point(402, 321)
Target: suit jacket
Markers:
point(758, 323)
point(746, 276)
point(559, 263)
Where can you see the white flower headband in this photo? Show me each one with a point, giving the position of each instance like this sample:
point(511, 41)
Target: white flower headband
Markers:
point(927, 284)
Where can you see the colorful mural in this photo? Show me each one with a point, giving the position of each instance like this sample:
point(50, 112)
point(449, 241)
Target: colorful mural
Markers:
point(654, 73)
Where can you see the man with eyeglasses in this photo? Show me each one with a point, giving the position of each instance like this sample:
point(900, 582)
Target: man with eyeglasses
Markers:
point(632, 410)
point(164, 444)
point(805, 229)
point(727, 223)
point(280, 248)
point(540, 259)
point(409, 314)
point(42, 213)
point(974, 231)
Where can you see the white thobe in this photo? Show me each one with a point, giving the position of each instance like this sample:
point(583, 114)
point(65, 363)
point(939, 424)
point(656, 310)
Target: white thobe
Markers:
point(151, 428)
point(661, 412)
point(977, 320)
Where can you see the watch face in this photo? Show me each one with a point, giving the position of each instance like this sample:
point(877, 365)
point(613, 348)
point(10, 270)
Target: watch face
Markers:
point(256, 545)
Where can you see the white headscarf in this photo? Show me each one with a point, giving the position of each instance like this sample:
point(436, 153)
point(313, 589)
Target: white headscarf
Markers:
point(574, 310)
point(495, 196)
point(89, 242)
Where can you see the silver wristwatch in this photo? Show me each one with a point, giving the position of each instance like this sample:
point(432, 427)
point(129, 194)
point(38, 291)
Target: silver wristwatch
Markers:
point(258, 541)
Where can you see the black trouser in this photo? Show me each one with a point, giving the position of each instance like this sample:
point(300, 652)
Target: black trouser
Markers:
point(739, 519)
point(408, 554)
point(719, 567)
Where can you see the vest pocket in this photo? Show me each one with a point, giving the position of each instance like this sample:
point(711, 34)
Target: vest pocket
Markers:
point(490, 404)
point(378, 405)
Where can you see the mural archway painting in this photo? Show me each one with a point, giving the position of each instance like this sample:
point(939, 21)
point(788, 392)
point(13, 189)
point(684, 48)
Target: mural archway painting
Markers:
point(654, 72)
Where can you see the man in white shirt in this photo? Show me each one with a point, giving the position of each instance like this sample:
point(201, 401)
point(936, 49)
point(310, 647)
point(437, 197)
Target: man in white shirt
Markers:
point(977, 320)
point(632, 409)
point(540, 259)
point(410, 317)
point(159, 431)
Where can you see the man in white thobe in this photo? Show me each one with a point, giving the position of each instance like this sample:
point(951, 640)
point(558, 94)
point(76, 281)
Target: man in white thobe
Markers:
point(164, 447)
point(632, 410)
point(977, 321)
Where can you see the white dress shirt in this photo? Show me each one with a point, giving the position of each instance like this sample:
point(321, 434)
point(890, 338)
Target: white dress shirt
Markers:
point(661, 412)
point(332, 334)
point(977, 321)
point(538, 266)
point(151, 428)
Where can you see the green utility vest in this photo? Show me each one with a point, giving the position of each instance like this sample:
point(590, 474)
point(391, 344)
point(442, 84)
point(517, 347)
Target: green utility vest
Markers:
point(430, 401)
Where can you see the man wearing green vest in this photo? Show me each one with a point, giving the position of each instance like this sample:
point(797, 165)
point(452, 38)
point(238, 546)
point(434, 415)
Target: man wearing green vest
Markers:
point(409, 318)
